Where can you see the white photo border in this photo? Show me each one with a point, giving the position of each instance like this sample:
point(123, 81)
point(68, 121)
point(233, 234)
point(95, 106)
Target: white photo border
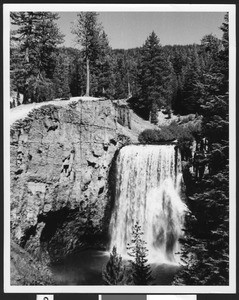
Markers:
point(231, 9)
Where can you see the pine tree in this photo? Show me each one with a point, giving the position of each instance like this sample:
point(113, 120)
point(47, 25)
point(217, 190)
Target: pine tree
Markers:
point(114, 272)
point(103, 77)
point(192, 75)
point(140, 270)
point(74, 63)
point(17, 71)
point(155, 78)
point(87, 31)
point(120, 71)
point(61, 76)
point(37, 36)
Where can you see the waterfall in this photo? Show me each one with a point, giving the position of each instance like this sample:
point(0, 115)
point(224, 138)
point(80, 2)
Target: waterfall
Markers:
point(148, 183)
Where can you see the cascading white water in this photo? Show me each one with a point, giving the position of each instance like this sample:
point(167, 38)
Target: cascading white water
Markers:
point(148, 183)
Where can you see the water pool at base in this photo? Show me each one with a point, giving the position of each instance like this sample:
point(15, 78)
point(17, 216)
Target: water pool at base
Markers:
point(85, 268)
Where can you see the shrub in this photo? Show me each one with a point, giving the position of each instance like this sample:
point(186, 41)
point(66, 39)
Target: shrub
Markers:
point(183, 134)
point(154, 136)
point(166, 134)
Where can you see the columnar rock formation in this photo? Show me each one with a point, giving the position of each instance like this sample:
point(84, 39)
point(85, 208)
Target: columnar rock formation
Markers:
point(60, 162)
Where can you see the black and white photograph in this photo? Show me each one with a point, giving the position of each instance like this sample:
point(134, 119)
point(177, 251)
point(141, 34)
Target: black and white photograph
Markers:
point(119, 148)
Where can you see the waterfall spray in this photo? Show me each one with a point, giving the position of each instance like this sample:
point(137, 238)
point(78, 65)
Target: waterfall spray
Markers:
point(148, 183)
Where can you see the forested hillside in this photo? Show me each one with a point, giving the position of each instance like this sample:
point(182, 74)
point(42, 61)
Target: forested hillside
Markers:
point(178, 79)
point(154, 76)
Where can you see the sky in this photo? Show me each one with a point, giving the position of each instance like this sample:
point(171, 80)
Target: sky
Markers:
point(130, 29)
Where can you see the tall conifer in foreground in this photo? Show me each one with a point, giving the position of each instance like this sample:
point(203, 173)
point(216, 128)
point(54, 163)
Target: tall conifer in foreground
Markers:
point(140, 269)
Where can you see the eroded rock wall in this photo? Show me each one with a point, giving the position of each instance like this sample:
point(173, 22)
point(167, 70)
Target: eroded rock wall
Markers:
point(60, 162)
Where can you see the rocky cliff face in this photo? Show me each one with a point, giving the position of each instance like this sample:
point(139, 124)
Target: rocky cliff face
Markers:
point(27, 270)
point(60, 162)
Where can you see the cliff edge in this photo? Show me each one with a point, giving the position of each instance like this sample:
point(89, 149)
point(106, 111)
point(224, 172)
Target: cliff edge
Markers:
point(60, 161)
